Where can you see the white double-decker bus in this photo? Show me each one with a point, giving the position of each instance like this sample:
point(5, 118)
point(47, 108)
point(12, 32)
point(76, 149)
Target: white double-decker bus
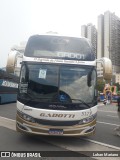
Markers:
point(57, 90)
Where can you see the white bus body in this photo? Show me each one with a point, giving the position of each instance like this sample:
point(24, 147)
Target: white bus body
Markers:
point(57, 91)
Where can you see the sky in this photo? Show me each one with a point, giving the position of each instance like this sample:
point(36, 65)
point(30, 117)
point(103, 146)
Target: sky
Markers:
point(19, 19)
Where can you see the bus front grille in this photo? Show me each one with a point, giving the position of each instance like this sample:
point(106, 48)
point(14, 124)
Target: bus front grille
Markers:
point(57, 123)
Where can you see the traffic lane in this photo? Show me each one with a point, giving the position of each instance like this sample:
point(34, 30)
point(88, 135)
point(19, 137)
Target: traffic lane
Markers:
point(15, 141)
point(105, 134)
point(51, 140)
point(9, 123)
point(108, 117)
point(8, 110)
point(107, 121)
point(108, 107)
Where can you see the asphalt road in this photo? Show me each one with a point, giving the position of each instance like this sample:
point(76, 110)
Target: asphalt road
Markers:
point(107, 121)
point(103, 140)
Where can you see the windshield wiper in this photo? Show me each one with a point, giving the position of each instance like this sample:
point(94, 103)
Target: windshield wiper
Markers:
point(34, 98)
point(81, 102)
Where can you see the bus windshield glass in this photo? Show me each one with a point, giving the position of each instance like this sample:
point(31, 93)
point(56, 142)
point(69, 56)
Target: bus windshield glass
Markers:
point(59, 47)
point(56, 83)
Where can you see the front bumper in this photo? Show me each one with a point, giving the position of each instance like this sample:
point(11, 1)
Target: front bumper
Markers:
point(74, 130)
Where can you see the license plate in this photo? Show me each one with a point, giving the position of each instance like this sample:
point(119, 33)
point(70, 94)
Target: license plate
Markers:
point(56, 131)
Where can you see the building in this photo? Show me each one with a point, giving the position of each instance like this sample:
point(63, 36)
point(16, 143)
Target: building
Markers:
point(100, 37)
point(116, 78)
point(84, 31)
point(89, 31)
point(108, 41)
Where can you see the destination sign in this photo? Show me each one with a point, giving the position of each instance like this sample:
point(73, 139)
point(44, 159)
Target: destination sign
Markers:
point(59, 54)
point(9, 84)
point(63, 55)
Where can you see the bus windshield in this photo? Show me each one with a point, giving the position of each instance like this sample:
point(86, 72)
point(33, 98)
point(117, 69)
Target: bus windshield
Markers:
point(57, 83)
point(59, 47)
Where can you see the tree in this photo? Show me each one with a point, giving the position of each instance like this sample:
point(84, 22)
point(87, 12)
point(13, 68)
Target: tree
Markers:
point(117, 85)
point(100, 85)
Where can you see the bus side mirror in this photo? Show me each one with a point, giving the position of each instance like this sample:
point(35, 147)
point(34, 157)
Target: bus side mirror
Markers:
point(89, 79)
point(107, 67)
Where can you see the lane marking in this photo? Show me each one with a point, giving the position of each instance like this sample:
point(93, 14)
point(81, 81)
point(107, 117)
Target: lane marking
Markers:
point(108, 123)
point(103, 144)
point(7, 119)
point(8, 123)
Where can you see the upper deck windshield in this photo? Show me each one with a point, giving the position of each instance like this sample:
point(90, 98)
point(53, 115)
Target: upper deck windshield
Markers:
point(60, 47)
point(56, 84)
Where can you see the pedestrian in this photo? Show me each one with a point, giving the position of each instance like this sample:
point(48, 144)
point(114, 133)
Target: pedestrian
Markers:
point(117, 129)
point(104, 101)
point(118, 103)
point(108, 97)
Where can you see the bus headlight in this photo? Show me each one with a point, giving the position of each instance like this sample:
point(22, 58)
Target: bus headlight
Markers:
point(26, 117)
point(87, 119)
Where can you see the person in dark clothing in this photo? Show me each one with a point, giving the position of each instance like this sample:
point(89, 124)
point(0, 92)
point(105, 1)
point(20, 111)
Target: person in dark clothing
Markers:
point(109, 97)
point(118, 103)
point(105, 101)
point(117, 129)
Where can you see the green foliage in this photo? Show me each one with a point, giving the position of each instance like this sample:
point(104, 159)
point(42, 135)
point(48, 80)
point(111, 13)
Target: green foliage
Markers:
point(112, 89)
point(119, 93)
point(117, 85)
point(100, 85)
